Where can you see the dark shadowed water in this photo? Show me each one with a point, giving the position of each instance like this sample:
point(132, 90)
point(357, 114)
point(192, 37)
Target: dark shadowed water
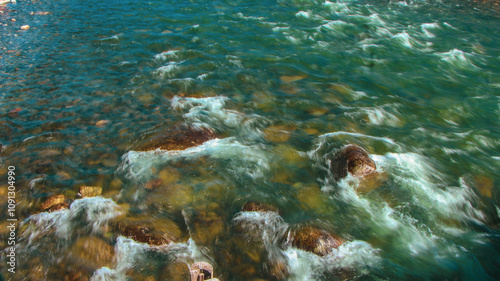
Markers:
point(284, 84)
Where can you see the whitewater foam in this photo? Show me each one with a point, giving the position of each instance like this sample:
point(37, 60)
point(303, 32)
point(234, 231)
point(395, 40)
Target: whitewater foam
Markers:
point(459, 59)
point(168, 55)
point(246, 159)
point(94, 212)
point(353, 255)
point(211, 112)
point(169, 70)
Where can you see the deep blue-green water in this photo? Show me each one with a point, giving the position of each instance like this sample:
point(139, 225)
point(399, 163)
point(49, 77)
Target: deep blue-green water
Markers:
point(284, 84)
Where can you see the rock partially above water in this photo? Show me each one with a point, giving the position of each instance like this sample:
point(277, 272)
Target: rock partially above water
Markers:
point(258, 207)
point(157, 233)
point(90, 191)
point(352, 159)
point(54, 203)
point(178, 139)
point(314, 240)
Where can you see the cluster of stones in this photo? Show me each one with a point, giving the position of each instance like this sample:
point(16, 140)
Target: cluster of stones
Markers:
point(205, 224)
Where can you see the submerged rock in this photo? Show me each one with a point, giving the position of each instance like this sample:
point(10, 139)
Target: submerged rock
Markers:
point(171, 198)
point(206, 226)
point(159, 232)
point(278, 133)
point(352, 159)
point(93, 252)
point(278, 269)
point(175, 271)
point(314, 240)
point(178, 139)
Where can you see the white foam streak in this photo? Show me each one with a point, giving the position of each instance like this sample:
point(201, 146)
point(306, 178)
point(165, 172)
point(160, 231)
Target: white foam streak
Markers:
point(268, 225)
point(356, 255)
point(94, 212)
point(303, 14)
point(405, 39)
point(240, 15)
point(211, 112)
point(458, 58)
point(417, 174)
point(169, 70)
point(204, 110)
point(127, 251)
point(252, 160)
point(170, 54)
point(338, 26)
point(340, 133)
point(379, 116)
point(337, 7)
point(426, 27)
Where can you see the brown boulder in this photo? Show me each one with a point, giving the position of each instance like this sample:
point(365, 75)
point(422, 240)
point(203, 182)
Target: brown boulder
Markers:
point(54, 203)
point(352, 159)
point(157, 233)
point(314, 240)
point(258, 207)
point(178, 139)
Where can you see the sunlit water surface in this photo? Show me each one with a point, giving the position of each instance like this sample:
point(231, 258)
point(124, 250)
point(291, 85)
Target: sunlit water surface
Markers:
point(284, 84)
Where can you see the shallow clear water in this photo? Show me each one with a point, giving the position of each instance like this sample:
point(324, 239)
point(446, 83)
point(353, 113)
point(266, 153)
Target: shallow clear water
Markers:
point(285, 84)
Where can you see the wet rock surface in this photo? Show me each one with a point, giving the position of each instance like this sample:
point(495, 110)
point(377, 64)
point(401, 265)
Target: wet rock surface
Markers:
point(252, 206)
point(156, 232)
point(314, 240)
point(54, 203)
point(90, 191)
point(178, 139)
point(352, 159)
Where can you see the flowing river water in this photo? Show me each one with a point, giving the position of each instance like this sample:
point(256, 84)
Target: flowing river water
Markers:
point(284, 84)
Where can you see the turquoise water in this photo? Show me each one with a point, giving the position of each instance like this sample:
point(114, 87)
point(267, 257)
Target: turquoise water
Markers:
point(284, 84)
